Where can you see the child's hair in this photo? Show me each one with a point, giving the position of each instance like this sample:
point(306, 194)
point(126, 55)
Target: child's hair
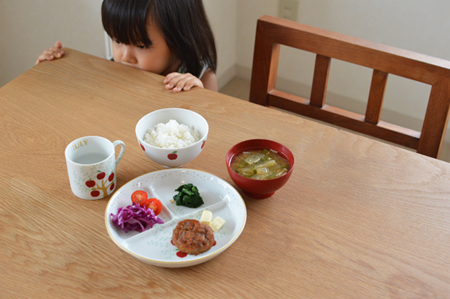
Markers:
point(183, 24)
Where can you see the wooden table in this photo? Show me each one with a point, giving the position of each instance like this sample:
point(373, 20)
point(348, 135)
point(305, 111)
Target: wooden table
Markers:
point(357, 219)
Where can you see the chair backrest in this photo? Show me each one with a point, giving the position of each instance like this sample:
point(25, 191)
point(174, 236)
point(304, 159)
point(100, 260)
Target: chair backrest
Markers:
point(272, 32)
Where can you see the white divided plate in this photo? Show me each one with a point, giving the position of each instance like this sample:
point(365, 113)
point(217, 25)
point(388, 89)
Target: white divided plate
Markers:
point(154, 245)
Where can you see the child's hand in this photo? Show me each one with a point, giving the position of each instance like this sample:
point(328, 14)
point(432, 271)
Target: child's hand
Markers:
point(52, 53)
point(178, 82)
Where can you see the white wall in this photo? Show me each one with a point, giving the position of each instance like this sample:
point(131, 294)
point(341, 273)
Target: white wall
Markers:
point(28, 27)
point(223, 20)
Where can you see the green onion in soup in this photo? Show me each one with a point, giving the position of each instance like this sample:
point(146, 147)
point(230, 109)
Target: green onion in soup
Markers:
point(260, 164)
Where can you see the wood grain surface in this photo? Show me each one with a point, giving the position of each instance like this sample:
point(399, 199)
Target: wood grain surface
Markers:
point(357, 219)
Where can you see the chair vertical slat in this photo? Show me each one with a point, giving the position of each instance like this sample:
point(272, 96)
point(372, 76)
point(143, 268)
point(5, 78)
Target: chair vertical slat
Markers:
point(376, 96)
point(320, 81)
point(436, 120)
point(265, 67)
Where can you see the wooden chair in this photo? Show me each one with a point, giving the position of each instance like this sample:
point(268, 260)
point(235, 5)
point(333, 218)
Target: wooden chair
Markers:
point(272, 32)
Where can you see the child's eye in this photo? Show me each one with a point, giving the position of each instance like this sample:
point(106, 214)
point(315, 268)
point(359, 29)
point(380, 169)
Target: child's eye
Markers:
point(116, 41)
point(142, 47)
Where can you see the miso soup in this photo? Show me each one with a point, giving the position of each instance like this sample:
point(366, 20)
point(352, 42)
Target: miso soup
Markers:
point(260, 164)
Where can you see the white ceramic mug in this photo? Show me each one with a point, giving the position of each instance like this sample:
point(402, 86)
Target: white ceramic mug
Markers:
point(91, 165)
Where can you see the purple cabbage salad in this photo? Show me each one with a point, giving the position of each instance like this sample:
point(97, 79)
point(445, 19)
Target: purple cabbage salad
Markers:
point(135, 217)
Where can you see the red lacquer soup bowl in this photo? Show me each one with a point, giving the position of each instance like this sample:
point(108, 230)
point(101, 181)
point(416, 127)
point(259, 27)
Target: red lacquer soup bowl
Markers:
point(259, 189)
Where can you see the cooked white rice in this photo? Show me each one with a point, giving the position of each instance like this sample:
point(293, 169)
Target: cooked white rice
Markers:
point(171, 135)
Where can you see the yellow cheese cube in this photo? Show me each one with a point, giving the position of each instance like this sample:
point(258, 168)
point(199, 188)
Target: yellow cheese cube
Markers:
point(206, 217)
point(217, 224)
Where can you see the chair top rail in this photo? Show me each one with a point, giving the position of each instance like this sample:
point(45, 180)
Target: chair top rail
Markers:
point(354, 50)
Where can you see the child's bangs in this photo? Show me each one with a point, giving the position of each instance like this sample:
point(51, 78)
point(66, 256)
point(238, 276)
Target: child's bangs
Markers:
point(125, 21)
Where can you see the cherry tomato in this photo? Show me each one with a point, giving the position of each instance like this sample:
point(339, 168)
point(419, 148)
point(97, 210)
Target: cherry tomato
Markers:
point(154, 204)
point(139, 197)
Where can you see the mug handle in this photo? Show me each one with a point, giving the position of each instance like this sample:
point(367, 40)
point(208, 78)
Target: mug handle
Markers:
point(122, 149)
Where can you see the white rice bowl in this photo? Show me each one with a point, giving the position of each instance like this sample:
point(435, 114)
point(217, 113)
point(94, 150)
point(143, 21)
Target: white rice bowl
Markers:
point(171, 135)
point(169, 144)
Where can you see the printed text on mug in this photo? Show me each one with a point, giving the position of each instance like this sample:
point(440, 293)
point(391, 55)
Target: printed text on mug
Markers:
point(79, 144)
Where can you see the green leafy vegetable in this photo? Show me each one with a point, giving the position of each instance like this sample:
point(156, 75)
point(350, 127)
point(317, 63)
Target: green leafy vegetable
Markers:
point(188, 196)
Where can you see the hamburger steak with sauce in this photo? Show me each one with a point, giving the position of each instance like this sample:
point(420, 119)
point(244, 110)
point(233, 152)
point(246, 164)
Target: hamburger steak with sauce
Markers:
point(193, 237)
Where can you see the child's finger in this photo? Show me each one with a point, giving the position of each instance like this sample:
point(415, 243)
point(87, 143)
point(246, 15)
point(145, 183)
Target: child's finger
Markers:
point(170, 77)
point(59, 54)
point(43, 57)
point(173, 80)
point(191, 83)
point(52, 53)
point(187, 83)
point(181, 84)
point(55, 52)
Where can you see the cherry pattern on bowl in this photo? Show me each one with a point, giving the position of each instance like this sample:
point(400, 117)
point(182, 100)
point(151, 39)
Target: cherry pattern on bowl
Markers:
point(173, 155)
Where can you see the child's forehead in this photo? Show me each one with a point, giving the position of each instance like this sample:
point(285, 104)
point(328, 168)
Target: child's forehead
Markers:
point(152, 28)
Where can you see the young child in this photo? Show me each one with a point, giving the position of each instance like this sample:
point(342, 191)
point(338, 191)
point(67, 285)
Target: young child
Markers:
point(171, 38)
